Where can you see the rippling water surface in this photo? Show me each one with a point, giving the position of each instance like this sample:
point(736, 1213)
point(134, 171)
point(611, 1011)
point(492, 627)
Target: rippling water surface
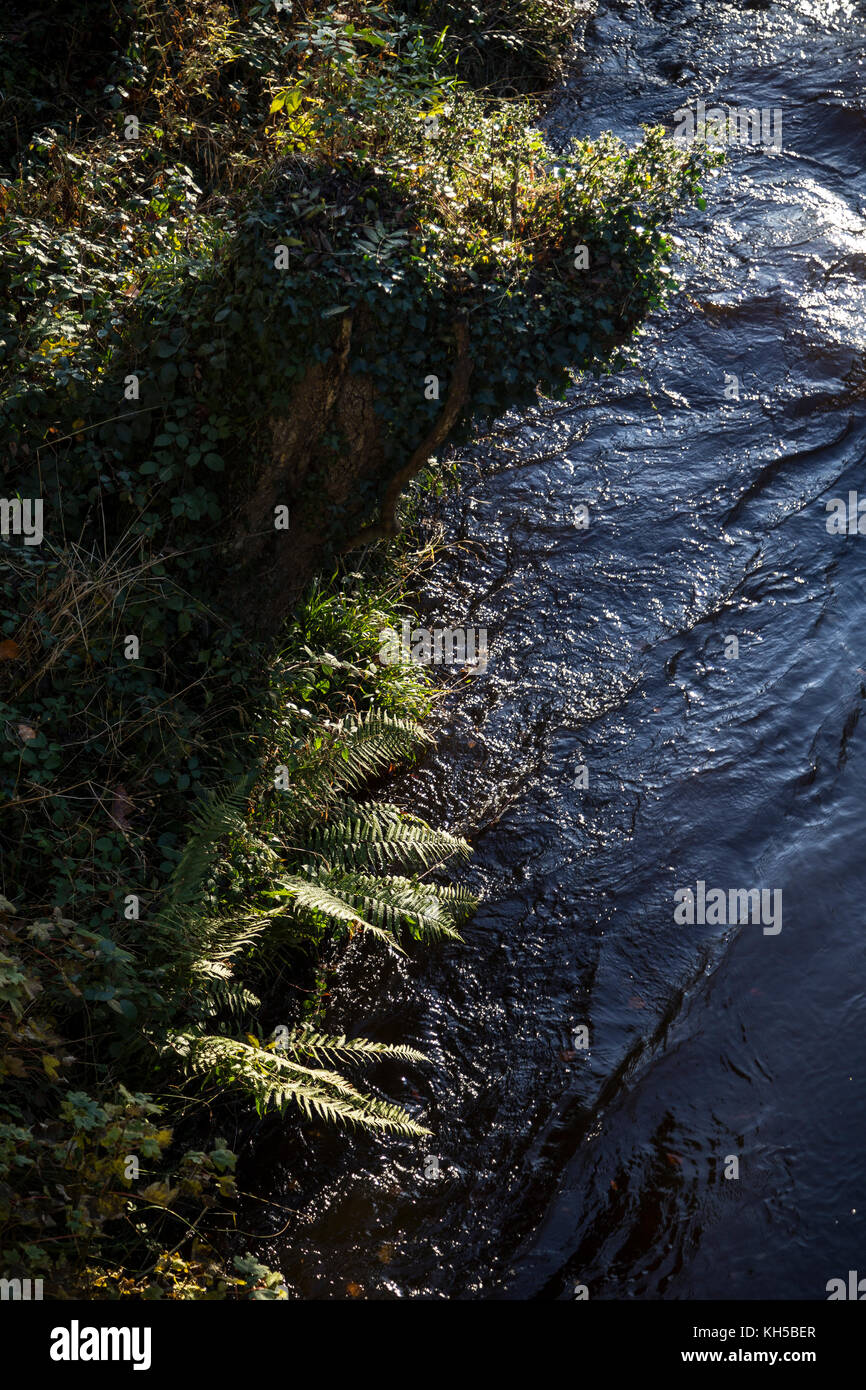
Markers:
point(610, 648)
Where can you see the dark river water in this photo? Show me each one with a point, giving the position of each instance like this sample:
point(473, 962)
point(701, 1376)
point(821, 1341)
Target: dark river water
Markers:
point(553, 1165)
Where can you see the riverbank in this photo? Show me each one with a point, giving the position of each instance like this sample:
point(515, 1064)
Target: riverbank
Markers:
point(617, 748)
point(236, 326)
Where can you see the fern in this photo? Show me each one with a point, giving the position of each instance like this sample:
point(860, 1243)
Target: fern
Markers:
point(317, 897)
point(216, 993)
point(274, 1079)
point(383, 903)
point(308, 1042)
point(348, 864)
point(213, 818)
point(377, 836)
point(358, 749)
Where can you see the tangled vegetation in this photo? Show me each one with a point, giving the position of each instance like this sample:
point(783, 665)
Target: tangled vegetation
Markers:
point(216, 203)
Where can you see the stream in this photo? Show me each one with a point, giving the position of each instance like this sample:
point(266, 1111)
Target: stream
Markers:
point(699, 650)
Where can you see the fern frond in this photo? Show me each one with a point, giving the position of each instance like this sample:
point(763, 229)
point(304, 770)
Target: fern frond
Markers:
point(273, 1080)
point(215, 993)
point(307, 1042)
point(362, 747)
point(337, 854)
point(315, 896)
point(377, 737)
point(214, 817)
point(377, 836)
point(202, 942)
point(464, 900)
point(388, 903)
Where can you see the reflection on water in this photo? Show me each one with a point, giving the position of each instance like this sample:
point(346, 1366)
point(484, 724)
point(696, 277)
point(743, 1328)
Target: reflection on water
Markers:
point(699, 649)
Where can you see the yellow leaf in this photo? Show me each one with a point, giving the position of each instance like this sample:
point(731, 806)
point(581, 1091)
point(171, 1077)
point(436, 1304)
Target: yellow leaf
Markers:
point(160, 1194)
point(51, 1065)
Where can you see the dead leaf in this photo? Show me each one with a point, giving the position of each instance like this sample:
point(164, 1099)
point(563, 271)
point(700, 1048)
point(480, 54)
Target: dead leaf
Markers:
point(160, 1194)
point(354, 1290)
point(26, 732)
point(9, 650)
point(121, 806)
point(12, 1066)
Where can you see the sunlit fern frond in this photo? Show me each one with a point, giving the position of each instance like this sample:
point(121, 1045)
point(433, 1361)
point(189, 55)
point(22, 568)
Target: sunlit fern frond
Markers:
point(385, 903)
point(463, 902)
point(360, 748)
point(217, 993)
point(428, 910)
point(378, 836)
point(203, 940)
point(274, 1080)
point(306, 1041)
point(314, 896)
point(331, 874)
point(375, 741)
